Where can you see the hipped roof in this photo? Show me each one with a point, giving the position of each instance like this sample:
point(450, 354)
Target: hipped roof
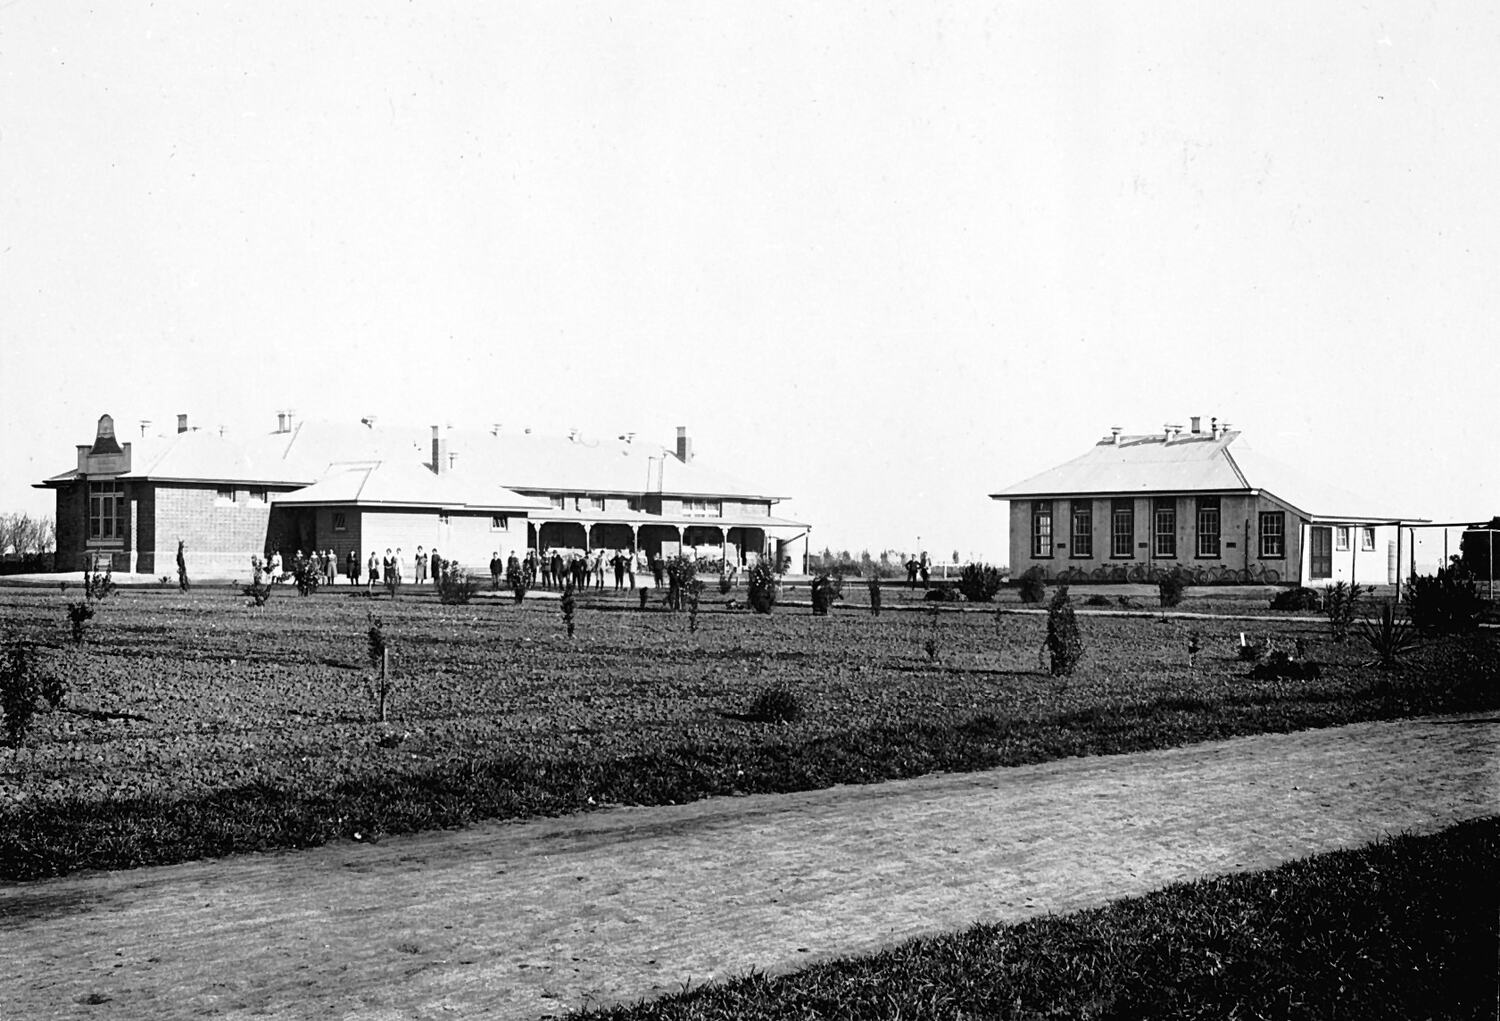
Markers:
point(408, 484)
point(517, 460)
point(1196, 463)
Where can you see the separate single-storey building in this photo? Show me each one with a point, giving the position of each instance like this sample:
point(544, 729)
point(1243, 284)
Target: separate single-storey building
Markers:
point(365, 488)
point(1200, 500)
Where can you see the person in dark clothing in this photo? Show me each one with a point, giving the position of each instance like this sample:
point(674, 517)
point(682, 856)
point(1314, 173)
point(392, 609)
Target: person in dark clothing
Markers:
point(581, 572)
point(497, 566)
point(557, 569)
point(436, 563)
point(658, 568)
point(911, 572)
point(351, 567)
point(618, 563)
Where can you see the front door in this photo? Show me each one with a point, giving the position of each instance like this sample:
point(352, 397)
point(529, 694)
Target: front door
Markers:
point(1320, 556)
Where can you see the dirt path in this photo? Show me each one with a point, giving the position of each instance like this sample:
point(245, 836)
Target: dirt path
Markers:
point(518, 920)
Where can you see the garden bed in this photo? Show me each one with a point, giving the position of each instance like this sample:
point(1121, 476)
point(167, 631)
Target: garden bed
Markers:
point(196, 726)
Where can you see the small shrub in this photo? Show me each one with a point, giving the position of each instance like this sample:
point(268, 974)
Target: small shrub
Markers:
point(727, 579)
point(1389, 638)
point(824, 591)
point(1033, 586)
point(79, 614)
point(1169, 588)
point(456, 586)
point(98, 585)
point(1282, 665)
point(763, 584)
point(377, 648)
point(644, 593)
point(1251, 652)
point(1447, 602)
point(776, 704)
point(306, 575)
point(519, 581)
point(681, 570)
point(1297, 599)
point(942, 594)
point(1096, 600)
point(375, 643)
point(1064, 643)
point(979, 582)
point(1340, 601)
point(569, 607)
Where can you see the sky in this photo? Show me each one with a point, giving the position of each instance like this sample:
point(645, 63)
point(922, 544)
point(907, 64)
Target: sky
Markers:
point(882, 259)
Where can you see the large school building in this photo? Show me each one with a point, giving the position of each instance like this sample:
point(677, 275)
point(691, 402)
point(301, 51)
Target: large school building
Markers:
point(365, 487)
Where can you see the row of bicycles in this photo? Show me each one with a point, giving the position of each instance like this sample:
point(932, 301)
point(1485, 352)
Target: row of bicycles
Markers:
point(1191, 574)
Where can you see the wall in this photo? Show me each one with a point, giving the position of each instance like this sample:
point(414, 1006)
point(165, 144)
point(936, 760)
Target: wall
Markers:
point(220, 537)
point(1366, 567)
point(72, 526)
point(466, 538)
point(1239, 536)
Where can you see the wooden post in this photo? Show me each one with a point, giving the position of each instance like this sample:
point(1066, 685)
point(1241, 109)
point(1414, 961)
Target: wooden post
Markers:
point(1398, 562)
point(385, 683)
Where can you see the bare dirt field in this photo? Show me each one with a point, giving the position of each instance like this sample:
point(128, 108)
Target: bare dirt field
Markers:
point(533, 918)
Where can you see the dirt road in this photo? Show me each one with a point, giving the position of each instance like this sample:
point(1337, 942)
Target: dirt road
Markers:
point(520, 920)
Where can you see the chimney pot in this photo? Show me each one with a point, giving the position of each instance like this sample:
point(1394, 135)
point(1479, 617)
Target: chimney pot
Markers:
point(1197, 421)
point(440, 459)
point(1114, 434)
point(182, 425)
point(684, 445)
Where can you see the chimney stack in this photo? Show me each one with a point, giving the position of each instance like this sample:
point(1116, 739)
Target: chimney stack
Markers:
point(440, 462)
point(1197, 421)
point(1114, 434)
point(182, 423)
point(145, 424)
point(684, 445)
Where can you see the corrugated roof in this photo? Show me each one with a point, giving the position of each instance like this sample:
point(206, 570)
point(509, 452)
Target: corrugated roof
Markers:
point(1194, 463)
point(408, 483)
point(516, 460)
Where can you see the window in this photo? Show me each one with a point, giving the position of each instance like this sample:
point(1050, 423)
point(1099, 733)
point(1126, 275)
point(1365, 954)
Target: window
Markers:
point(1121, 528)
point(258, 496)
point(596, 503)
point(225, 495)
point(703, 508)
point(1341, 537)
point(1041, 528)
point(1083, 528)
point(1367, 537)
point(443, 517)
point(633, 503)
point(1272, 535)
point(106, 511)
point(1208, 526)
point(499, 523)
point(558, 502)
point(1164, 527)
point(340, 523)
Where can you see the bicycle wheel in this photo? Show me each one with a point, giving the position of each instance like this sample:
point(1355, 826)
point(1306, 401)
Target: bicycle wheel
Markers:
point(1272, 576)
point(1136, 573)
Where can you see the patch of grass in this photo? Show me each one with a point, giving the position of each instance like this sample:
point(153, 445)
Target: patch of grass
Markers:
point(195, 729)
point(1404, 928)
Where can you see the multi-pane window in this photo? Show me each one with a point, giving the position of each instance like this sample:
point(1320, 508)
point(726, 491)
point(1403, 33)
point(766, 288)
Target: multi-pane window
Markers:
point(1083, 528)
point(596, 503)
point(1208, 526)
point(1041, 528)
point(258, 496)
point(1164, 527)
point(1367, 537)
point(499, 522)
point(1341, 537)
point(558, 502)
point(1272, 535)
point(340, 522)
point(106, 510)
point(225, 495)
point(703, 508)
point(1122, 528)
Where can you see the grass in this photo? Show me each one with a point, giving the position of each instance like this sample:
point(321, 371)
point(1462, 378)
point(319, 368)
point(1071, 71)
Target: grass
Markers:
point(1405, 928)
point(198, 727)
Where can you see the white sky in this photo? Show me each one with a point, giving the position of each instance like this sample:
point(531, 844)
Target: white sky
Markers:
point(886, 259)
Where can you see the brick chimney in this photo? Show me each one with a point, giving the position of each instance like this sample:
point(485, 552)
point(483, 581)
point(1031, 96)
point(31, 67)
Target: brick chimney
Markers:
point(1197, 421)
point(182, 423)
point(440, 463)
point(684, 445)
point(1114, 434)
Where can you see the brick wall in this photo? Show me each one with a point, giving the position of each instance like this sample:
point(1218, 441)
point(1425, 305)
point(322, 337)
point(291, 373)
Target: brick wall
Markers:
point(220, 536)
point(72, 526)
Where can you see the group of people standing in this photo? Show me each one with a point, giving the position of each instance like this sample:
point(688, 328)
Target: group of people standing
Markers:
point(585, 569)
